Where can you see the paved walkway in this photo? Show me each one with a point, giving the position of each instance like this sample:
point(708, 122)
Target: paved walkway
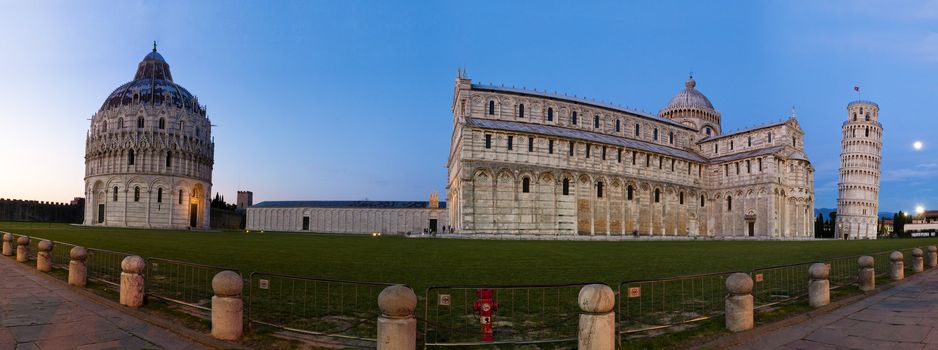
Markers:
point(38, 312)
point(903, 317)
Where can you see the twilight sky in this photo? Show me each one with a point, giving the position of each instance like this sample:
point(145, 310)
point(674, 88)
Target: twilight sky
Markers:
point(350, 99)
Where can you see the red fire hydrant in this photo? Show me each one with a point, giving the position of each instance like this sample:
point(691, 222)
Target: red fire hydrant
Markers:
point(485, 305)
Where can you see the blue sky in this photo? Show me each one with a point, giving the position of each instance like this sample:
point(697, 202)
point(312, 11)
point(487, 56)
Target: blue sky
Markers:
point(350, 99)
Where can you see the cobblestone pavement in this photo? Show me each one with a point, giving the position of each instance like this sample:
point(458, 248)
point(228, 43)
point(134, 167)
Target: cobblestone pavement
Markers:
point(37, 312)
point(903, 317)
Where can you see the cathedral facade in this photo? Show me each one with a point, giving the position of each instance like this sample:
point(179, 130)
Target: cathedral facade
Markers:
point(527, 162)
point(149, 154)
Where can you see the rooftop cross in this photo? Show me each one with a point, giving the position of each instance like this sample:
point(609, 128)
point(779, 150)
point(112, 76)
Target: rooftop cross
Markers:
point(154, 45)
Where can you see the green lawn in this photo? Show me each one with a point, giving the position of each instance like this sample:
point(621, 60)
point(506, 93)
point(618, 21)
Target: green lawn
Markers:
point(424, 262)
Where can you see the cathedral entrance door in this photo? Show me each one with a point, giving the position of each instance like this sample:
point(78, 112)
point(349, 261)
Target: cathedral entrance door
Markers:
point(193, 214)
point(432, 225)
point(752, 229)
point(100, 213)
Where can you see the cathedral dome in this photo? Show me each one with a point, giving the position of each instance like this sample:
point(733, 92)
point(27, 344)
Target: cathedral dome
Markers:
point(153, 84)
point(689, 98)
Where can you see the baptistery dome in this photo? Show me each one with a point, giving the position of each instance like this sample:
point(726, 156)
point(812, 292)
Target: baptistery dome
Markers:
point(149, 154)
point(693, 109)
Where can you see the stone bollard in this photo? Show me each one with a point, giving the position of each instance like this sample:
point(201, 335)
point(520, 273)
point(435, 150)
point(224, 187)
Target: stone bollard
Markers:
point(597, 329)
point(397, 326)
point(932, 256)
point(22, 249)
point(77, 271)
point(44, 256)
point(898, 266)
point(739, 302)
point(918, 260)
point(866, 276)
point(227, 306)
point(819, 287)
point(131, 293)
point(7, 244)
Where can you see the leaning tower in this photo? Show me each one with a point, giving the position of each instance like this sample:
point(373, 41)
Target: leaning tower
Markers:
point(860, 154)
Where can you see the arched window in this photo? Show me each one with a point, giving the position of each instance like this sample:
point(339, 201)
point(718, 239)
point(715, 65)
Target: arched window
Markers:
point(120, 123)
point(566, 187)
point(638, 130)
point(630, 192)
point(702, 199)
point(708, 131)
point(182, 126)
point(130, 157)
point(550, 114)
point(599, 190)
point(140, 123)
point(681, 198)
point(103, 126)
point(596, 121)
point(867, 117)
point(521, 110)
point(770, 137)
point(573, 118)
point(115, 193)
point(854, 116)
point(861, 110)
point(169, 159)
point(162, 123)
point(867, 131)
point(794, 142)
point(526, 185)
point(671, 137)
point(750, 141)
point(729, 203)
point(180, 197)
point(491, 107)
point(136, 194)
point(657, 195)
point(731, 145)
point(618, 125)
point(159, 195)
point(654, 134)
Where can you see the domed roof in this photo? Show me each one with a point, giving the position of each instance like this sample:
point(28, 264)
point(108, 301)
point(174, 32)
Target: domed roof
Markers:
point(153, 84)
point(689, 98)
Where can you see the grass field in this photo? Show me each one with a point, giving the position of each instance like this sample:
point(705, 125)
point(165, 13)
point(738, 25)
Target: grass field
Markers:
point(424, 262)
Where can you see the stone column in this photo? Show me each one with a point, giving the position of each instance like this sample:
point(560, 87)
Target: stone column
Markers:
point(932, 256)
point(597, 328)
point(7, 244)
point(227, 306)
point(397, 326)
point(22, 249)
point(819, 287)
point(44, 256)
point(898, 266)
point(739, 302)
point(77, 271)
point(866, 276)
point(131, 290)
point(918, 260)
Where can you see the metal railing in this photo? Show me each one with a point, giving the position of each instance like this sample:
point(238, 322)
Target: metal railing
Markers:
point(524, 314)
point(778, 284)
point(105, 265)
point(647, 305)
point(61, 254)
point(182, 282)
point(333, 308)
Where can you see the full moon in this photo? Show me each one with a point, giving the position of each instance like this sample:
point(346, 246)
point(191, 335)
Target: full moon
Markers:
point(917, 145)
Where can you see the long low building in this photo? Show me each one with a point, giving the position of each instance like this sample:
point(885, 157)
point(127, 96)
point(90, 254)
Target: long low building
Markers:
point(389, 217)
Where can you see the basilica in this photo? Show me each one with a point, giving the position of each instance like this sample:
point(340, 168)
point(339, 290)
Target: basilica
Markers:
point(525, 162)
point(149, 154)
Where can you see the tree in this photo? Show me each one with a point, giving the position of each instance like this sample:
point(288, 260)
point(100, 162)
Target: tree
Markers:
point(898, 224)
point(819, 231)
point(219, 202)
